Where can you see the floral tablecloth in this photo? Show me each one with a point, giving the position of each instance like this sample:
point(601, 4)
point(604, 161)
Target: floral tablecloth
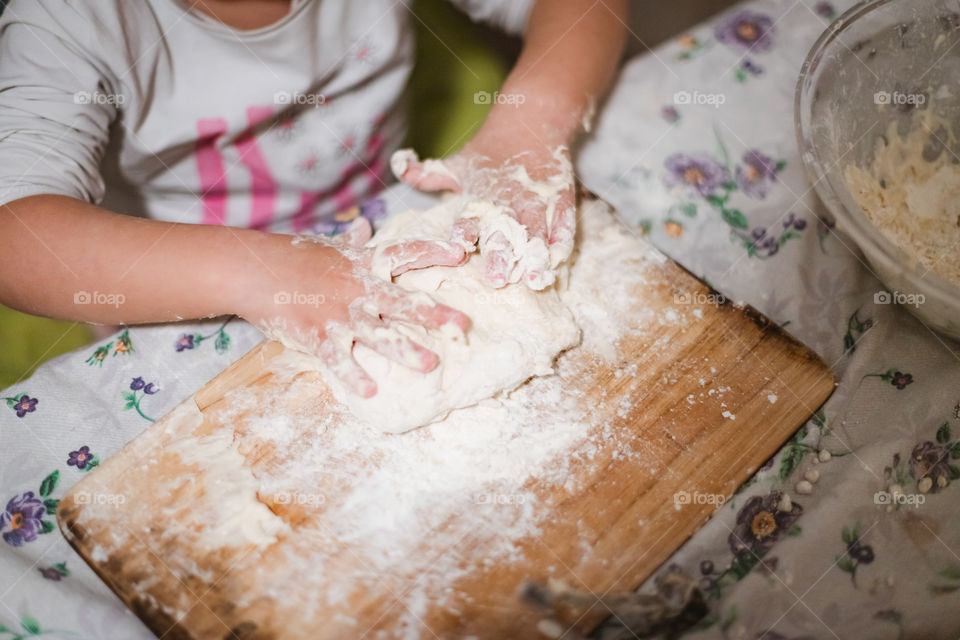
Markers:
point(850, 531)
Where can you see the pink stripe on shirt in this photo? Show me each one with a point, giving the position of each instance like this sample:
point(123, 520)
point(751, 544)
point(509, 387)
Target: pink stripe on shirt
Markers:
point(263, 188)
point(213, 176)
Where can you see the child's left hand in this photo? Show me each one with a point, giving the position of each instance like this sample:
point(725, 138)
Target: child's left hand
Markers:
point(520, 158)
point(532, 180)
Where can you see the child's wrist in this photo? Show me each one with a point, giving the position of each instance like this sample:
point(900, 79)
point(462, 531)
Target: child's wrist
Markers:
point(240, 282)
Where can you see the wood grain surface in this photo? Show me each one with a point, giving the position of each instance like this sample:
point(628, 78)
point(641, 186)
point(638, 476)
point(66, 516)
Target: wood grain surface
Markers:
point(691, 403)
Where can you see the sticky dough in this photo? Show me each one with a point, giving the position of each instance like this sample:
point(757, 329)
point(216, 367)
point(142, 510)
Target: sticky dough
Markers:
point(912, 195)
point(516, 333)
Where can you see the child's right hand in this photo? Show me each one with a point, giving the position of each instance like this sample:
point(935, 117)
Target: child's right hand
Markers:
point(323, 295)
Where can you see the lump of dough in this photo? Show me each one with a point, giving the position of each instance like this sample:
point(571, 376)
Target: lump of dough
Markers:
point(516, 333)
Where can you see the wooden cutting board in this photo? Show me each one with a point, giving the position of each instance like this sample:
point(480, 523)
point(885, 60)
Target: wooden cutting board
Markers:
point(258, 509)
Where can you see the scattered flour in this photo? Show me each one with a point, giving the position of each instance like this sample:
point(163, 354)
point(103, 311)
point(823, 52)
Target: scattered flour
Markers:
point(488, 466)
point(477, 485)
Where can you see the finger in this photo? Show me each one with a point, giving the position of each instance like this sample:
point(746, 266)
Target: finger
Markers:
point(497, 263)
point(498, 259)
point(357, 233)
point(388, 342)
point(431, 175)
point(539, 279)
point(421, 310)
point(419, 254)
point(534, 262)
point(466, 232)
point(563, 227)
point(532, 214)
point(341, 364)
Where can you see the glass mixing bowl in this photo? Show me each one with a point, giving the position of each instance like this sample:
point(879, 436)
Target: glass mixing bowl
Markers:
point(863, 73)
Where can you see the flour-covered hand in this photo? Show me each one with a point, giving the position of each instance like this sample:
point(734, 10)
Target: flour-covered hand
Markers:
point(319, 295)
point(534, 187)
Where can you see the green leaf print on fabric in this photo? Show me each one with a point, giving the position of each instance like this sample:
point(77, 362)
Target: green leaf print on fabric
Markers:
point(190, 341)
point(55, 572)
point(856, 328)
point(857, 553)
point(29, 627)
point(947, 581)
point(49, 483)
point(894, 377)
point(139, 389)
point(122, 346)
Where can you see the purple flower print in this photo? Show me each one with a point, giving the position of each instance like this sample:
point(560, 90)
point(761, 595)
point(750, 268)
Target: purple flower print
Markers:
point(773, 635)
point(746, 69)
point(21, 520)
point(185, 342)
point(793, 221)
point(825, 10)
point(670, 114)
point(929, 460)
point(746, 30)
point(80, 458)
point(24, 405)
point(901, 380)
point(862, 553)
point(50, 573)
point(857, 552)
point(762, 243)
point(697, 171)
point(760, 523)
point(751, 67)
point(55, 572)
point(148, 388)
point(756, 173)
point(132, 398)
point(374, 209)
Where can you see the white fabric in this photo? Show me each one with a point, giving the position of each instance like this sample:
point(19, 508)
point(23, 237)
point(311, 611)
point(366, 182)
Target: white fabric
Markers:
point(273, 126)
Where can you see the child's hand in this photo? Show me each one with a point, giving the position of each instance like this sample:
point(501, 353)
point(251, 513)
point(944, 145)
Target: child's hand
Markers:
point(512, 169)
point(570, 53)
point(323, 296)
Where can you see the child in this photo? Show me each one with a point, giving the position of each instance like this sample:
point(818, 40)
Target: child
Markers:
point(159, 150)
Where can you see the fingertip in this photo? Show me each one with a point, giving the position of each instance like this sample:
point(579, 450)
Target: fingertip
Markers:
point(428, 361)
point(366, 388)
point(358, 232)
point(466, 231)
point(563, 228)
point(403, 161)
point(441, 315)
point(496, 269)
point(453, 256)
point(432, 181)
point(459, 319)
point(539, 279)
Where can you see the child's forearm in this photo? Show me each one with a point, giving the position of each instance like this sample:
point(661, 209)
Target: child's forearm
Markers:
point(571, 49)
point(64, 258)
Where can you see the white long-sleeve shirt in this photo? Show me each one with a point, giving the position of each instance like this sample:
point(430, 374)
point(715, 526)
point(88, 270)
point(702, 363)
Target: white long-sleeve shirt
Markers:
point(149, 108)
